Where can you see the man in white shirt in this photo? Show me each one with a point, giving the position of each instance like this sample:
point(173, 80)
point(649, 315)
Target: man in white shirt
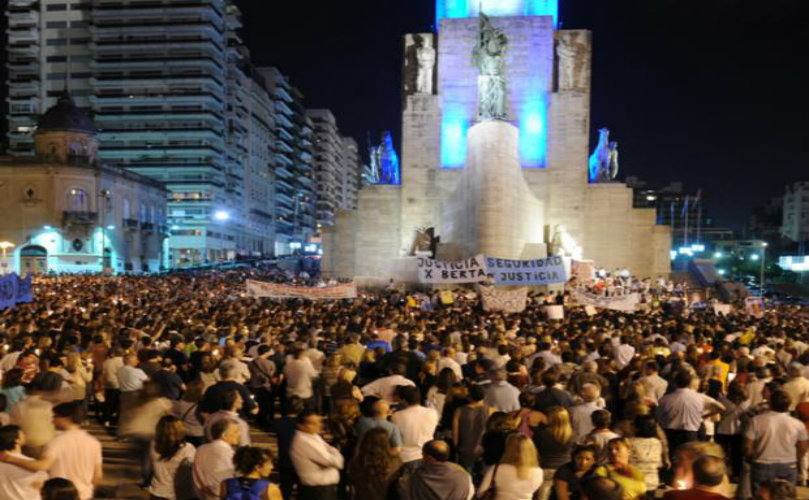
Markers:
point(680, 413)
point(231, 403)
point(448, 361)
point(109, 375)
point(623, 353)
point(213, 462)
point(581, 414)
point(130, 377)
point(300, 374)
point(73, 454)
point(501, 395)
point(755, 390)
point(316, 463)
point(775, 442)
point(654, 384)
point(17, 483)
point(416, 424)
point(797, 387)
point(385, 387)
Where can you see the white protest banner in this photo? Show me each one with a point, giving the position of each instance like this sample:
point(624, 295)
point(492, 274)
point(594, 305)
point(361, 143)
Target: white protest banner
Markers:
point(497, 299)
point(583, 270)
point(545, 271)
point(722, 309)
point(282, 291)
point(590, 310)
point(625, 303)
point(472, 270)
point(555, 312)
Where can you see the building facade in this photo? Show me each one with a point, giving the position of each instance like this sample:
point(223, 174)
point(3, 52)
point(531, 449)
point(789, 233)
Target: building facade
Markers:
point(176, 98)
point(337, 166)
point(294, 183)
point(795, 225)
point(64, 211)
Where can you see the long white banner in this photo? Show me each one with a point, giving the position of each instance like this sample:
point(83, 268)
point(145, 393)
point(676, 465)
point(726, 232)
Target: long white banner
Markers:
point(281, 291)
point(625, 303)
point(472, 270)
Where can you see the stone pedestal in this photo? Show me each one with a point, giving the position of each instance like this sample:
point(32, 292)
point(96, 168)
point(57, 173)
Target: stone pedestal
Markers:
point(492, 211)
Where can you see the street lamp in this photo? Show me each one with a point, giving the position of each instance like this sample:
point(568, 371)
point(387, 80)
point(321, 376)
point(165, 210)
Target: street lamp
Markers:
point(763, 258)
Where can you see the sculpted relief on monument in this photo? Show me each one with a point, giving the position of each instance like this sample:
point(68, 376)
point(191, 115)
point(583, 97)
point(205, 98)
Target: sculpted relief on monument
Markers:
point(419, 70)
point(573, 64)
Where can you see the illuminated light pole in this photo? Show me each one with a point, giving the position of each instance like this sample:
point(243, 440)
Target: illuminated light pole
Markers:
point(763, 258)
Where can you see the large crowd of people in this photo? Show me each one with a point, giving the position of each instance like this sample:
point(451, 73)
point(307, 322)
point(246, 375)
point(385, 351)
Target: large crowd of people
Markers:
point(397, 396)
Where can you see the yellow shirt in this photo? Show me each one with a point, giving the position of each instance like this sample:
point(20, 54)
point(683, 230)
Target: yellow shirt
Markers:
point(634, 485)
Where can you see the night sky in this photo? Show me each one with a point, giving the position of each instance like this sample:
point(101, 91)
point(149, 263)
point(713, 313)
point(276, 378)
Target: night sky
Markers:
point(714, 93)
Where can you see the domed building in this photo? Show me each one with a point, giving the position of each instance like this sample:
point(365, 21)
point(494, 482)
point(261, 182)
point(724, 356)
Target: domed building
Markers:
point(66, 212)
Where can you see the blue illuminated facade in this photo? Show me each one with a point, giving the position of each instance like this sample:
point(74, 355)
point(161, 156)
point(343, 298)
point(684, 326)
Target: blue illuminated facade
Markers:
point(529, 75)
point(453, 9)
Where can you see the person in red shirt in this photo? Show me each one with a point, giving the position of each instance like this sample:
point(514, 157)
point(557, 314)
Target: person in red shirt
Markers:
point(709, 478)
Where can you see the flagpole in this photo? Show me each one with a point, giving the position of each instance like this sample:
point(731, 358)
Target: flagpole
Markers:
point(685, 225)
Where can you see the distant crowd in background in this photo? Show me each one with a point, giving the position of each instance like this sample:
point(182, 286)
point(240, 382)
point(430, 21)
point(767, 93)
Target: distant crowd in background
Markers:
point(398, 395)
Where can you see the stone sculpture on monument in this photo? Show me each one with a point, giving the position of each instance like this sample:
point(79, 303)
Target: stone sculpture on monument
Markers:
point(489, 57)
point(570, 52)
point(425, 56)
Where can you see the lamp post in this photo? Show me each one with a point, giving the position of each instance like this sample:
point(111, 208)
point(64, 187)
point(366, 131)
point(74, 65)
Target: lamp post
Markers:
point(763, 258)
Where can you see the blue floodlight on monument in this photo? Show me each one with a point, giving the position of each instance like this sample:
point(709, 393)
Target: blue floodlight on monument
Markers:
point(453, 137)
point(533, 130)
point(388, 161)
point(454, 9)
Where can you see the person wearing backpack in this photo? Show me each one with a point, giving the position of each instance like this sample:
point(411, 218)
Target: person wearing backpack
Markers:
point(252, 465)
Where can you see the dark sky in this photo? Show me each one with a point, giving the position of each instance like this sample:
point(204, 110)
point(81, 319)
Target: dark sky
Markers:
point(711, 92)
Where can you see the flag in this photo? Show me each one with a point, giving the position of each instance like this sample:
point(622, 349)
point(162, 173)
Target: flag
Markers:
point(698, 197)
point(685, 207)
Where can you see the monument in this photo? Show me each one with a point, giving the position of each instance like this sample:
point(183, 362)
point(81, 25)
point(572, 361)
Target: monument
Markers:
point(495, 156)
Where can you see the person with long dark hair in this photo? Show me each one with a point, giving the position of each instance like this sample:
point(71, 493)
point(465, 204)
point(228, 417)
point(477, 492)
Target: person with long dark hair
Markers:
point(374, 466)
point(172, 457)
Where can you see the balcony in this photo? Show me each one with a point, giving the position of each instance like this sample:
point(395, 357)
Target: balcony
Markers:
point(23, 19)
point(131, 224)
point(78, 218)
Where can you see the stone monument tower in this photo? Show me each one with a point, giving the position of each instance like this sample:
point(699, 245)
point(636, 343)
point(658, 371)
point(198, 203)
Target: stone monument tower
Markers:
point(494, 156)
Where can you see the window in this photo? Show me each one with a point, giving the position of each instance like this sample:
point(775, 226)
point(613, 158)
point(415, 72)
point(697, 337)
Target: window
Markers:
point(56, 7)
point(57, 58)
point(143, 212)
point(56, 42)
point(76, 200)
point(56, 24)
point(125, 209)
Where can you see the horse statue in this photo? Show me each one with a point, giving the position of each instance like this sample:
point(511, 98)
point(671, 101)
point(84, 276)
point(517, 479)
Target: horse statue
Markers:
point(600, 159)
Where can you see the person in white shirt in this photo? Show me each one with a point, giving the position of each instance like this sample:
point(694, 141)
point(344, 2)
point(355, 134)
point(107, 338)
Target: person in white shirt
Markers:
point(623, 353)
point(448, 361)
point(300, 374)
point(385, 387)
point(518, 475)
point(581, 414)
point(17, 483)
point(213, 462)
point(109, 376)
point(797, 387)
point(240, 370)
point(171, 459)
point(316, 463)
point(775, 442)
point(416, 424)
point(501, 395)
point(231, 403)
point(73, 454)
point(130, 377)
point(755, 390)
point(654, 384)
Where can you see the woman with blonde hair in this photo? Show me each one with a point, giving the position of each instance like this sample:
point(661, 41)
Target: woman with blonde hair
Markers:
point(80, 377)
point(517, 476)
point(618, 468)
point(555, 439)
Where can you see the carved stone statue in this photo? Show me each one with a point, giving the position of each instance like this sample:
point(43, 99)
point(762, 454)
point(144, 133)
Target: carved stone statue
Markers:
point(603, 165)
point(564, 244)
point(613, 170)
point(489, 56)
point(424, 243)
point(571, 53)
point(425, 56)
